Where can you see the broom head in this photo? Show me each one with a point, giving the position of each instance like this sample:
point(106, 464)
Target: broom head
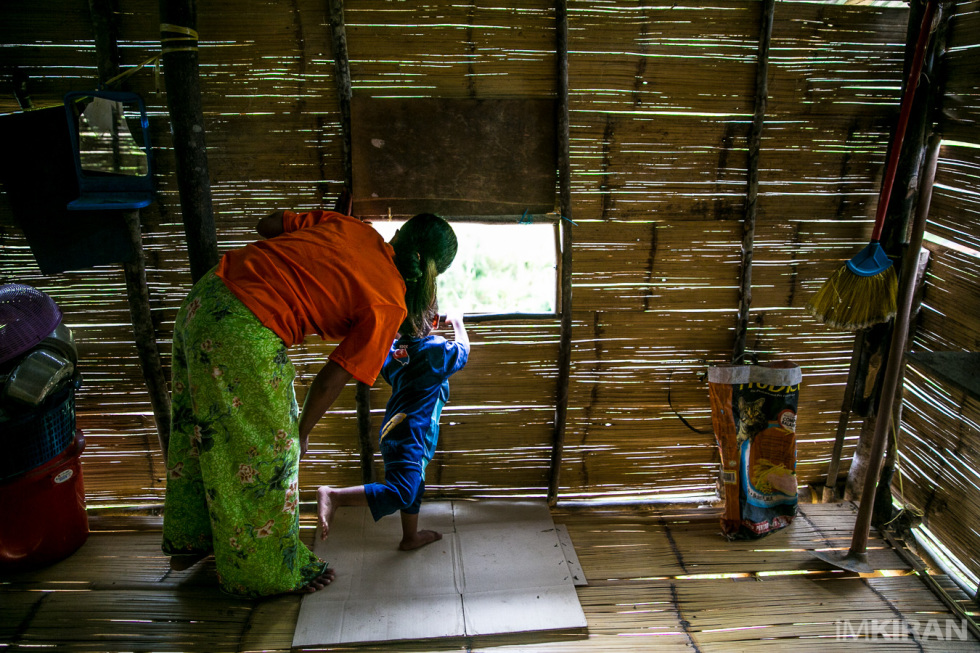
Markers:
point(863, 292)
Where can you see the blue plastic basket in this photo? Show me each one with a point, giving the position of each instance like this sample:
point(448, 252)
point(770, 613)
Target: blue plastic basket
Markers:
point(28, 441)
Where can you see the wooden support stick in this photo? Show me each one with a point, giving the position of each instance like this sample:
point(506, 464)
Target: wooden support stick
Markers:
point(178, 38)
point(338, 34)
point(830, 485)
point(105, 25)
point(145, 335)
point(363, 401)
point(751, 201)
point(565, 207)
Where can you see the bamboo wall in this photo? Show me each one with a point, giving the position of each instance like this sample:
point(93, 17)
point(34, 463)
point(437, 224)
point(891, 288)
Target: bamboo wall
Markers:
point(940, 442)
point(661, 100)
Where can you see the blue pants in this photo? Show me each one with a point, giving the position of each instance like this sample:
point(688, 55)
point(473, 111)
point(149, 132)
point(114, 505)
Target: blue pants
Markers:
point(402, 489)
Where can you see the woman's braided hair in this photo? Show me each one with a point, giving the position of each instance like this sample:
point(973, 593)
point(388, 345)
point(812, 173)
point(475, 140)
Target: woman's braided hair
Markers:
point(424, 248)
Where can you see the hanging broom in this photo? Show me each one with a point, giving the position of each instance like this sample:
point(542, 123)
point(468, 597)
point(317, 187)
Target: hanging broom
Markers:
point(864, 290)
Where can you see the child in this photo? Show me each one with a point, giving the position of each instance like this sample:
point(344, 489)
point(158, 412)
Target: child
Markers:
point(418, 368)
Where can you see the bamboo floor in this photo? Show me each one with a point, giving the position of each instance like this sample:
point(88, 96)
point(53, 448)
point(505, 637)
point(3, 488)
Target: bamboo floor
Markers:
point(658, 579)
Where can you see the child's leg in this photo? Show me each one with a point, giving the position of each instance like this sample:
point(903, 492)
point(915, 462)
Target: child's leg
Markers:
point(328, 499)
point(412, 537)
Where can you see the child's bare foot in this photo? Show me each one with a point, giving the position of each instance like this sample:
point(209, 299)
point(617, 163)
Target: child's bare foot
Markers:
point(419, 539)
point(325, 508)
point(182, 561)
point(319, 582)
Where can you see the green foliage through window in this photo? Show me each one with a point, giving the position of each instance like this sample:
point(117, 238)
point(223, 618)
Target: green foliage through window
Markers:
point(499, 268)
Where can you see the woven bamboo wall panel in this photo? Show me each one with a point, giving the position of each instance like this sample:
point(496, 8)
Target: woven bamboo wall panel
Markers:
point(955, 212)
point(940, 448)
point(446, 49)
point(661, 98)
point(951, 303)
point(961, 105)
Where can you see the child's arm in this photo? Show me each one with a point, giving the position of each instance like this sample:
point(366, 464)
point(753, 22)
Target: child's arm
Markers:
point(459, 331)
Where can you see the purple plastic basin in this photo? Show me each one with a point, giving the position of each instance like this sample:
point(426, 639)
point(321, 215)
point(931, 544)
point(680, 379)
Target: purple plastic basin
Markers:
point(27, 316)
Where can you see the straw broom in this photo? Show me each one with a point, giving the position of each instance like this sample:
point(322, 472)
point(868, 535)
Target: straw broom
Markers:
point(864, 290)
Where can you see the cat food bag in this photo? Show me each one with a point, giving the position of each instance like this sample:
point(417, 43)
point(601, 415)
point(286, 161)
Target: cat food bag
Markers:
point(753, 413)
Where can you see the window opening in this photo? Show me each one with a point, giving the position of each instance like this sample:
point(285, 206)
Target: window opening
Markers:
point(500, 268)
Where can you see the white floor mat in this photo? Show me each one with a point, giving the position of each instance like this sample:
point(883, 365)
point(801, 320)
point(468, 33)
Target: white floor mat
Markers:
point(500, 568)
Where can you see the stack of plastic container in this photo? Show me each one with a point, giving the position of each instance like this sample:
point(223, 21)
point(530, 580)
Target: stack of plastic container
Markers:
point(42, 497)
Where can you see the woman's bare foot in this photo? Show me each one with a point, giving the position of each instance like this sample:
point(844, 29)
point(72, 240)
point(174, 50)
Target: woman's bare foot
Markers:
point(319, 582)
point(419, 539)
point(182, 561)
point(325, 507)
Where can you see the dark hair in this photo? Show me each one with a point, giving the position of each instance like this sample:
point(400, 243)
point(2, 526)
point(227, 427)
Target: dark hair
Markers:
point(421, 328)
point(424, 247)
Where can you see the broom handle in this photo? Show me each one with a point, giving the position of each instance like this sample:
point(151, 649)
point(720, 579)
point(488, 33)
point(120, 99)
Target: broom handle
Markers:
point(903, 119)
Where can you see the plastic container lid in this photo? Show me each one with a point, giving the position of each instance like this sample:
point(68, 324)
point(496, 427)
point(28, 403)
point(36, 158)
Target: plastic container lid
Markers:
point(27, 316)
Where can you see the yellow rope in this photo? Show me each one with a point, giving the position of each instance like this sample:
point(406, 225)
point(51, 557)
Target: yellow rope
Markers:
point(189, 36)
point(898, 467)
point(127, 73)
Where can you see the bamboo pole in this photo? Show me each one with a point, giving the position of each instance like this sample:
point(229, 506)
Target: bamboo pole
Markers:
point(338, 35)
point(565, 208)
point(751, 202)
point(178, 38)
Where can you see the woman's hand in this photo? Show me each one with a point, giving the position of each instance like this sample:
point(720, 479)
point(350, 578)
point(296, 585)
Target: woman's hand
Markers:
point(324, 390)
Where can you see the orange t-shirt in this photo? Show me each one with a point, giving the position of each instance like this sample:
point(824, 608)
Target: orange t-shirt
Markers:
point(327, 274)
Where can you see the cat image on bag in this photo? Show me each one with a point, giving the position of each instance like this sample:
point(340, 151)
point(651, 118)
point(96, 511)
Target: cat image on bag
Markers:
point(751, 418)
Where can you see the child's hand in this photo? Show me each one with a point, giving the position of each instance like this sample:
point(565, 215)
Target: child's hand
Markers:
point(452, 318)
point(459, 332)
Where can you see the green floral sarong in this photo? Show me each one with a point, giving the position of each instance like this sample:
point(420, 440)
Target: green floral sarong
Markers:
point(233, 462)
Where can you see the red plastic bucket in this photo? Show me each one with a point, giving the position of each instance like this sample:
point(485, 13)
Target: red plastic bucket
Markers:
point(44, 518)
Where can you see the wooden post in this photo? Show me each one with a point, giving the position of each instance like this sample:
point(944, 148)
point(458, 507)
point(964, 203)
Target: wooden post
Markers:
point(751, 202)
point(565, 208)
point(103, 13)
point(178, 38)
point(338, 34)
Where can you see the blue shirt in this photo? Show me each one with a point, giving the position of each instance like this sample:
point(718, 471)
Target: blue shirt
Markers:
point(418, 370)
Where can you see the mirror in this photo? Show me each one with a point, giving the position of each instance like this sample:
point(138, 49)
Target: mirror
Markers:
point(110, 134)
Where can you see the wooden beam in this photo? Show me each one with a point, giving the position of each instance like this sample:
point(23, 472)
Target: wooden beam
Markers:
point(338, 35)
point(751, 208)
point(178, 38)
point(565, 209)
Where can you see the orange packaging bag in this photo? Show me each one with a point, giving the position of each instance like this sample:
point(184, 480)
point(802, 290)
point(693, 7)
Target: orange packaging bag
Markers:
point(753, 413)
